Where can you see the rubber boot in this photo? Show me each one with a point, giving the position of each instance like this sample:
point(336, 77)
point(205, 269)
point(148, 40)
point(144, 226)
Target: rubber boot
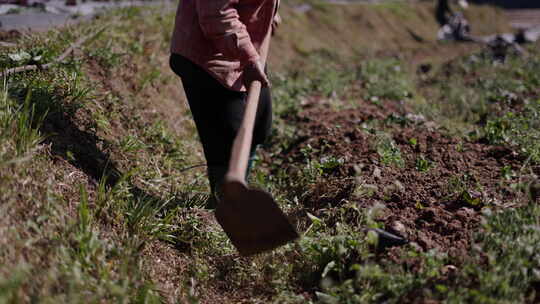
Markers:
point(251, 159)
point(216, 176)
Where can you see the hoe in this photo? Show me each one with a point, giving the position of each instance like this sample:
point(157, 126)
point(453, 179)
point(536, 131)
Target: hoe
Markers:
point(251, 218)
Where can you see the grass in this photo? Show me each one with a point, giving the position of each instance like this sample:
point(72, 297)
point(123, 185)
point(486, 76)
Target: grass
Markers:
point(98, 207)
point(340, 269)
point(518, 129)
point(384, 79)
point(359, 29)
point(388, 151)
point(89, 221)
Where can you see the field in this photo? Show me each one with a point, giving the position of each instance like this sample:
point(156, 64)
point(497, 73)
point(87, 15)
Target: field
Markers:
point(102, 177)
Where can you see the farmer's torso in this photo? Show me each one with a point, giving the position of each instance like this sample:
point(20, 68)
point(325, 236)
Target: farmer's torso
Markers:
point(221, 35)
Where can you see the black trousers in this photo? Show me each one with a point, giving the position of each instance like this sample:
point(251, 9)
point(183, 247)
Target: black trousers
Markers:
point(218, 112)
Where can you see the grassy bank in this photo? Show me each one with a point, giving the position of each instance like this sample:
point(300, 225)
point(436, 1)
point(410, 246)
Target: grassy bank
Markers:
point(99, 203)
point(389, 29)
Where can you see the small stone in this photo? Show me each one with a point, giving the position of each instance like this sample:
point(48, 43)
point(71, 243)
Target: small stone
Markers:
point(358, 168)
point(424, 241)
point(398, 227)
point(399, 186)
point(456, 225)
point(416, 247)
point(377, 173)
point(449, 269)
point(417, 118)
point(465, 212)
point(431, 125)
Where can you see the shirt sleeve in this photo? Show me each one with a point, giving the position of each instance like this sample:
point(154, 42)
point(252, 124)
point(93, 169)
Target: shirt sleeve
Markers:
point(220, 23)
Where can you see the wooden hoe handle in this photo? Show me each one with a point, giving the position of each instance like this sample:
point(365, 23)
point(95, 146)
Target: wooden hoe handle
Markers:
point(242, 143)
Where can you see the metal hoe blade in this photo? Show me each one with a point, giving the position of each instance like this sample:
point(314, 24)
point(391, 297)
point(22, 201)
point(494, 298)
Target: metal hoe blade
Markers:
point(252, 220)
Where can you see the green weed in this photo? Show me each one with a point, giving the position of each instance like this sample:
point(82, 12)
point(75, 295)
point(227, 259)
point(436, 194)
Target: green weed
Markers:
point(423, 164)
point(142, 218)
point(384, 79)
point(388, 150)
point(521, 130)
point(106, 56)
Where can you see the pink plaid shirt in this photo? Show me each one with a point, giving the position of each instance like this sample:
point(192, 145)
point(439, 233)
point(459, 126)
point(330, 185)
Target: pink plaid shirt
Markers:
point(222, 36)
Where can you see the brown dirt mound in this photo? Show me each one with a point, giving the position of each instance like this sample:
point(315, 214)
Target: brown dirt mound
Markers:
point(434, 198)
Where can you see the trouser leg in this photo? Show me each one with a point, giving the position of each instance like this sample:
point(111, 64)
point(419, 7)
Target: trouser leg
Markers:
point(218, 125)
point(218, 113)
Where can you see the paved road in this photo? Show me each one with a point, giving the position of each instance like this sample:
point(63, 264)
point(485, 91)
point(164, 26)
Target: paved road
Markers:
point(37, 21)
point(55, 13)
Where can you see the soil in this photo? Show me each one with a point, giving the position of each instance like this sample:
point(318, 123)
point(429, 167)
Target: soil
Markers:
point(437, 206)
point(9, 35)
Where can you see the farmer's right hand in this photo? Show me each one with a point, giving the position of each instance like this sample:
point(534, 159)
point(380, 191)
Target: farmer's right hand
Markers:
point(255, 71)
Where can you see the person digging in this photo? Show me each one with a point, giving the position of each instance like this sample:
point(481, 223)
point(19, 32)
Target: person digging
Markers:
point(219, 49)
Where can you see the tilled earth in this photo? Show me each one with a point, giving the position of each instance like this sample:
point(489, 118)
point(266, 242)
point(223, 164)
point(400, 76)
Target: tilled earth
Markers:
point(434, 197)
